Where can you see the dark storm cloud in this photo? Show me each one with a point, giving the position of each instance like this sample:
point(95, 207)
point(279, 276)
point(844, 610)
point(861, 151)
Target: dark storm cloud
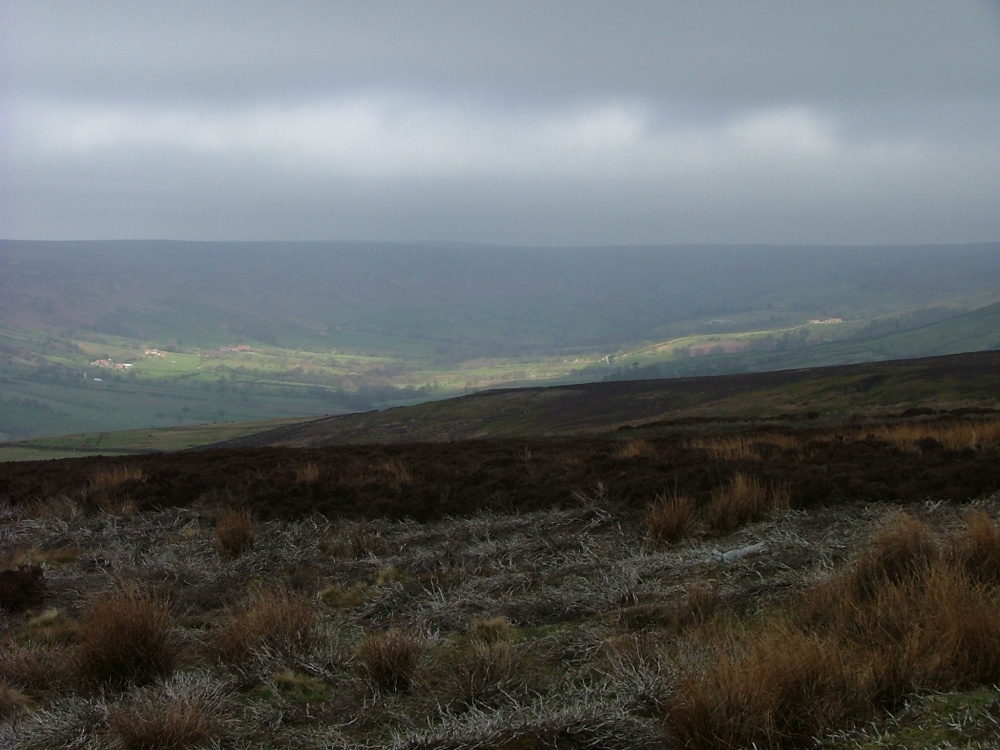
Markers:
point(549, 122)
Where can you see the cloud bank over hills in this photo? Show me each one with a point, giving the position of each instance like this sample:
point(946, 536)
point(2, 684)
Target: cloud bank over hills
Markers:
point(518, 123)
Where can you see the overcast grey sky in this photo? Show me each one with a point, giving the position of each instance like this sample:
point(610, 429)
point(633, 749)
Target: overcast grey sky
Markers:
point(540, 122)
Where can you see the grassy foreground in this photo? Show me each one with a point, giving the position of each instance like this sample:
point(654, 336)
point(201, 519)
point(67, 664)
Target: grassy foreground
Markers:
point(733, 615)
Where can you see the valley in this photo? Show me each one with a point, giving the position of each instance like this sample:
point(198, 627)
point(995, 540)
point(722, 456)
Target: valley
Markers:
point(252, 331)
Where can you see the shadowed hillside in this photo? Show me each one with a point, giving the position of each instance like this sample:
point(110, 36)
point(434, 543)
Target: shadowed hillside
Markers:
point(830, 395)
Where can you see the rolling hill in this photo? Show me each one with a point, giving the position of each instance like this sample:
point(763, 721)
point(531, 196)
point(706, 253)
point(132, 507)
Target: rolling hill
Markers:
point(828, 395)
point(254, 331)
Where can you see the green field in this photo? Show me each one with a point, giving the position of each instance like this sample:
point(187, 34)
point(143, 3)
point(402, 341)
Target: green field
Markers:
point(50, 386)
point(250, 331)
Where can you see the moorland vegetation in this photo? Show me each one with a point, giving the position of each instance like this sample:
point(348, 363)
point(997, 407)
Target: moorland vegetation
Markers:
point(833, 586)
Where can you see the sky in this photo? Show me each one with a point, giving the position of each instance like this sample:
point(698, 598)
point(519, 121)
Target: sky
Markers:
point(537, 122)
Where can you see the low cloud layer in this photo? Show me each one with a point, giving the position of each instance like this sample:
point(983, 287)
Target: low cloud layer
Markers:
point(520, 123)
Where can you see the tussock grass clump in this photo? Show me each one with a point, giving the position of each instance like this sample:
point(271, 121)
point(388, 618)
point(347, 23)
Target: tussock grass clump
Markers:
point(362, 541)
point(275, 621)
point(492, 630)
point(37, 671)
point(486, 674)
point(12, 701)
point(170, 717)
point(307, 473)
point(904, 617)
point(908, 615)
point(700, 604)
point(901, 551)
point(959, 636)
point(125, 639)
point(975, 547)
point(634, 448)
point(112, 477)
point(396, 473)
point(388, 660)
point(727, 448)
point(235, 532)
point(779, 689)
point(671, 518)
point(742, 500)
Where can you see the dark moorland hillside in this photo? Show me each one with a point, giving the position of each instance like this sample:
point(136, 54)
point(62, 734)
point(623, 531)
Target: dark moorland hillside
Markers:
point(726, 580)
point(829, 395)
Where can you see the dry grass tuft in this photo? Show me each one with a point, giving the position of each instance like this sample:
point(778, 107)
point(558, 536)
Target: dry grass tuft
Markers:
point(976, 547)
point(277, 621)
point(235, 532)
point(671, 518)
point(168, 718)
point(901, 551)
point(111, 477)
point(486, 674)
point(780, 689)
point(701, 603)
point(388, 660)
point(12, 701)
point(125, 639)
point(634, 448)
point(362, 540)
point(120, 507)
point(742, 500)
point(307, 473)
point(727, 448)
point(954, 436)
point(395, 473)
point(492, 630)
point(36, 670)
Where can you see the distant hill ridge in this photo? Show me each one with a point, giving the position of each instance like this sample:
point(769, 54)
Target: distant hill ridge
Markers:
point(495, 298)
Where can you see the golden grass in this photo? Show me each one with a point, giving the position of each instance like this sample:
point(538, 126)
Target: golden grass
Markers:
point(174, 723)
point(12, 701)
point(780, 689)
point(111, 477)
point(902, 549)
point(907, 616)
point(307, 473)
point(955, 436)
point(634, 448)
point(275, 620)
point(492, 630)
point(728, 448)
point(235, 532)
point(37, 670)
point(125, 639)
point(388, 661)
point(975, 546)
point(670, 518)
point(743, 499)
